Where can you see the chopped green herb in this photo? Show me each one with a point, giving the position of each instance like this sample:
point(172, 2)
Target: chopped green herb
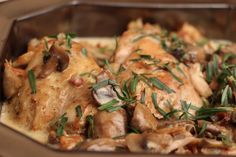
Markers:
point(84, 51)
point(160, 85)
point(46, 44)
point(172, 74)
point(32, 81)
point(69, 36)
point(109, 105)
point(108, 66)
point(154, 101)
point(180, 70)
point(68, 41)
point(205, 113)
point(90, 124)
point(143, 97)
point(134, 130)
point(215, 65)
point(208, 72)
point(62, 123)
point(203, 128)
point(53, 36)
point(78, 111)
point(185, 110)
point(133, 83)
point(224, 97)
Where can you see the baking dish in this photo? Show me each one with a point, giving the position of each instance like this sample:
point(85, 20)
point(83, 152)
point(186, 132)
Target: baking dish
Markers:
point(90, 18)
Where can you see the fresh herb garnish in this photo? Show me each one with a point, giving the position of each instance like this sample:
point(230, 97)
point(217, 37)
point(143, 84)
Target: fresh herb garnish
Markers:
point(78, 111)
point(160, 85)
point(134, 130)
point(90, 124)
point(84, 51)
point(208, 72)
point(185, 111)
point(133, 83)
point(143, 97)
point(203, 128)
point(205, 113)
point(108, 66)
point(154, 101)
point(32, 81)
point(109, 106)
point(69, 36)
point(215, 65)
point(62, 123)
point(173, 74)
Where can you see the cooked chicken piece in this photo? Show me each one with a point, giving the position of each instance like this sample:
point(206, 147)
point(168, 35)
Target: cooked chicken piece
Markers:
point(58, 90)
point(190, 34)
point(101, 144)
point(198, 81)
point(12, 79)
point(23, 59)
point(145, 56)
point(143, 119)
point(110, 124)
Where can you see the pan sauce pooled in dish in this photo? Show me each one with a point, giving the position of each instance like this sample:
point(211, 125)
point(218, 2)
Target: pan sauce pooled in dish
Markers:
point(149, 90)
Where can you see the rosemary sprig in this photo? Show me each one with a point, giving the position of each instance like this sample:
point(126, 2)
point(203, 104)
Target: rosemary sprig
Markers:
point(143, 96)
point(205, 113)
point(62, 123)
point(84, 51)
point(154, 101)
point(160, 85)
point(32, 81)
point(109, 106)
point(78, 111)
point(133, 83)
point(90, 124)
point(172, 74)
point(203, 128)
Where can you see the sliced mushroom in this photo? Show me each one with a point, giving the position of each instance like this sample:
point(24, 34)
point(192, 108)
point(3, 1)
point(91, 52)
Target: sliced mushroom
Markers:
point(106, 93)
point(58, 59)
point(198, 81)
point(101, 144)
point(110, 124)
point(143, 119)
point(158, 143)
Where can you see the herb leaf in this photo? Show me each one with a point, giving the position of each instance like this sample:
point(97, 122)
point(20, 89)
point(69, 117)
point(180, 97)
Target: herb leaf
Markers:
point(78, 111)
point(84, 51)
point(90, 123)
point(62, 124)
point(160, 85)
point(32, 81)
point(109, 105)
point(154, 101)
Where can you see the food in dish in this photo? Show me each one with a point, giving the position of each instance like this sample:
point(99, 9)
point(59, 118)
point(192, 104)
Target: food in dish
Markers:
point(148, 90)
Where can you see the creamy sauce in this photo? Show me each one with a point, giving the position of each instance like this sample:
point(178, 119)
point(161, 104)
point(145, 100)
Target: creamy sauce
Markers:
point(7, 119)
